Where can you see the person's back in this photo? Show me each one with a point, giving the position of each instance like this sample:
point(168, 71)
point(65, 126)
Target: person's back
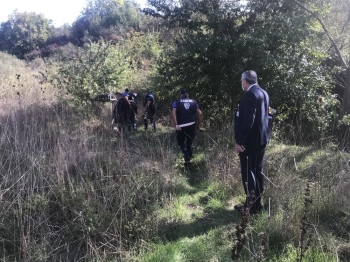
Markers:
point(125, 93)
point(123, 110)
point(252, 136)
point(149, 102)
point(183, 114)
point(150, 110)
point(132, 100)
point(186, 110)
point(251, 128)
point(133, 118)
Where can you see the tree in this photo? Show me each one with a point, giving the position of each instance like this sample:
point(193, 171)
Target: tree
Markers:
point(215, 41)
point(105, 19)
point(24, 32)
point(342, 42)
point(85, 72)
point(202, 53)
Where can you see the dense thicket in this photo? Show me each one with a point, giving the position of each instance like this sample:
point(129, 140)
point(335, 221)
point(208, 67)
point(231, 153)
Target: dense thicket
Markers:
point(105, 19)
point(215, 41)
point(24, 32)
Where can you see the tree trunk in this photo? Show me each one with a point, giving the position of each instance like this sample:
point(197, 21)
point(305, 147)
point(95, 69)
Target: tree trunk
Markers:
point(297, 127)
point(345, 107)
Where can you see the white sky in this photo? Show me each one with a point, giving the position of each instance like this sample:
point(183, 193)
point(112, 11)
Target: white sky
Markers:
point(59, 11)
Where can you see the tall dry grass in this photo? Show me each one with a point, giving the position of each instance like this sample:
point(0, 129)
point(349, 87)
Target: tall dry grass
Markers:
point(70, 190)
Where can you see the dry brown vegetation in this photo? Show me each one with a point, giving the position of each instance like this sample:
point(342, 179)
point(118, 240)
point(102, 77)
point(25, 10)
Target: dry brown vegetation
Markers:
point(69, 190)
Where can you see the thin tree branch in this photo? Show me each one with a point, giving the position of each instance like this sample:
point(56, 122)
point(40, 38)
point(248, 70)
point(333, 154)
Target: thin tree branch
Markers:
point(325, 30)
point(348, 20)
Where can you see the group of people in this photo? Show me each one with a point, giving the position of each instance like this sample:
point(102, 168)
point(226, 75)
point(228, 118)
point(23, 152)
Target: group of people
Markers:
point(125, 111)
point(252, 133)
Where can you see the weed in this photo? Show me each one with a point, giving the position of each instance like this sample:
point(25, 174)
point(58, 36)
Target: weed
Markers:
point(305, 226)
point(242, 227)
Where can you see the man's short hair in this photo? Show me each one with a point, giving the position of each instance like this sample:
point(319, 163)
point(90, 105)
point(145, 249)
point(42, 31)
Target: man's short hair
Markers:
point(118, 94)
point(183, 92)
point(250, 76)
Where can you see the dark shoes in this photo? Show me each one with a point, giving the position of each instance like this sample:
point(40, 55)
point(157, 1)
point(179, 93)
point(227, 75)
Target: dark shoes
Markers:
point(188, 163)
point(259, 207)
point(256, 209)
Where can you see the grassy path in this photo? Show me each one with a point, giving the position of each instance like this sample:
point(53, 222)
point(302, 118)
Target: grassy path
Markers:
point(199, 222)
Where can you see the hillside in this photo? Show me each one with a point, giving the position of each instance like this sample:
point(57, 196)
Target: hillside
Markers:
point(72, 190)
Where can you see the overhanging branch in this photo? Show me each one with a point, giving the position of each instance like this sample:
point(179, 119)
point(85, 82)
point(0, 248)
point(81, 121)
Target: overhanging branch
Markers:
point(325, 30)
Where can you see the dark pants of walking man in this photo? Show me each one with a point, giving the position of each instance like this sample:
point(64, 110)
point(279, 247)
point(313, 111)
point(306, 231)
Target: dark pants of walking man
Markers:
point(185, 138)
point(183, 114)
point(251, 168)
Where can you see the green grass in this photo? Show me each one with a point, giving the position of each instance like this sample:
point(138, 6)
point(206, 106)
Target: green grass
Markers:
point(201, 223)
point(211, 246)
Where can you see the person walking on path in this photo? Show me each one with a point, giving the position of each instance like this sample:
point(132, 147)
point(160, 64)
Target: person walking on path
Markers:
point(252, 135)
point(150, 110)
point(122, 114)
point(183, 114)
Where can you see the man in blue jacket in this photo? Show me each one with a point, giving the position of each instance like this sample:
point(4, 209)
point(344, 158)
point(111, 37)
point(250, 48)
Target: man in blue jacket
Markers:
point(183, 114)
point(252, 135)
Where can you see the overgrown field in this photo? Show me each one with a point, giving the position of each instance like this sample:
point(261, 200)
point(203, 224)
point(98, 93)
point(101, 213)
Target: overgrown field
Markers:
point(71, 190)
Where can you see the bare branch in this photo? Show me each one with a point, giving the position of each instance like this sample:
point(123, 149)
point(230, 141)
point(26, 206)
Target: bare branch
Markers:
point(325, 30)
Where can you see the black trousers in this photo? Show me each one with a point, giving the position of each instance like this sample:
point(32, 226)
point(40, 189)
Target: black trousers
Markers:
point(185, 138)
point(150, 114)
point(251, 168)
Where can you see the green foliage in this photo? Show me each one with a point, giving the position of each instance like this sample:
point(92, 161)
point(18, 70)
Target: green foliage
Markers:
point(143, 50)
point(97, 68)
point(212, 246)
point(143, 47)
point(295, 73)
point(202, 55)
point(109, 20)
point(215, 41)
point(24, 32)
point(346, 120)
point(313, 255)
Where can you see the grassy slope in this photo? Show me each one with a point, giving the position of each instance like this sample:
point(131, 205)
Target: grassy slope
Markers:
point(200, 220)
point(71, 191)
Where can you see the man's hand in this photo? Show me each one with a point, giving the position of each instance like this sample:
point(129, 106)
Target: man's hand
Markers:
point(240, 148)
point(177, 127)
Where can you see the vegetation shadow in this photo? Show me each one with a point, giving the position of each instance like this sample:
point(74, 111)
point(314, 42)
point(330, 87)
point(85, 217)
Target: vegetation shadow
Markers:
point(217, 218)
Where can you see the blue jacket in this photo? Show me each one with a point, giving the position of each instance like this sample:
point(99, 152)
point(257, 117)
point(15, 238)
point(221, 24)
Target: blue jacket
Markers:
point(186, 109)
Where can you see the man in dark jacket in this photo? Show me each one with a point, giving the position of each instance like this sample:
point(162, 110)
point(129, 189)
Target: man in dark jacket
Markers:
point(126, 92)
point(183, 114)
point(150, 110)
point(122, 113)
point(252, 136)
point(132, 100)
